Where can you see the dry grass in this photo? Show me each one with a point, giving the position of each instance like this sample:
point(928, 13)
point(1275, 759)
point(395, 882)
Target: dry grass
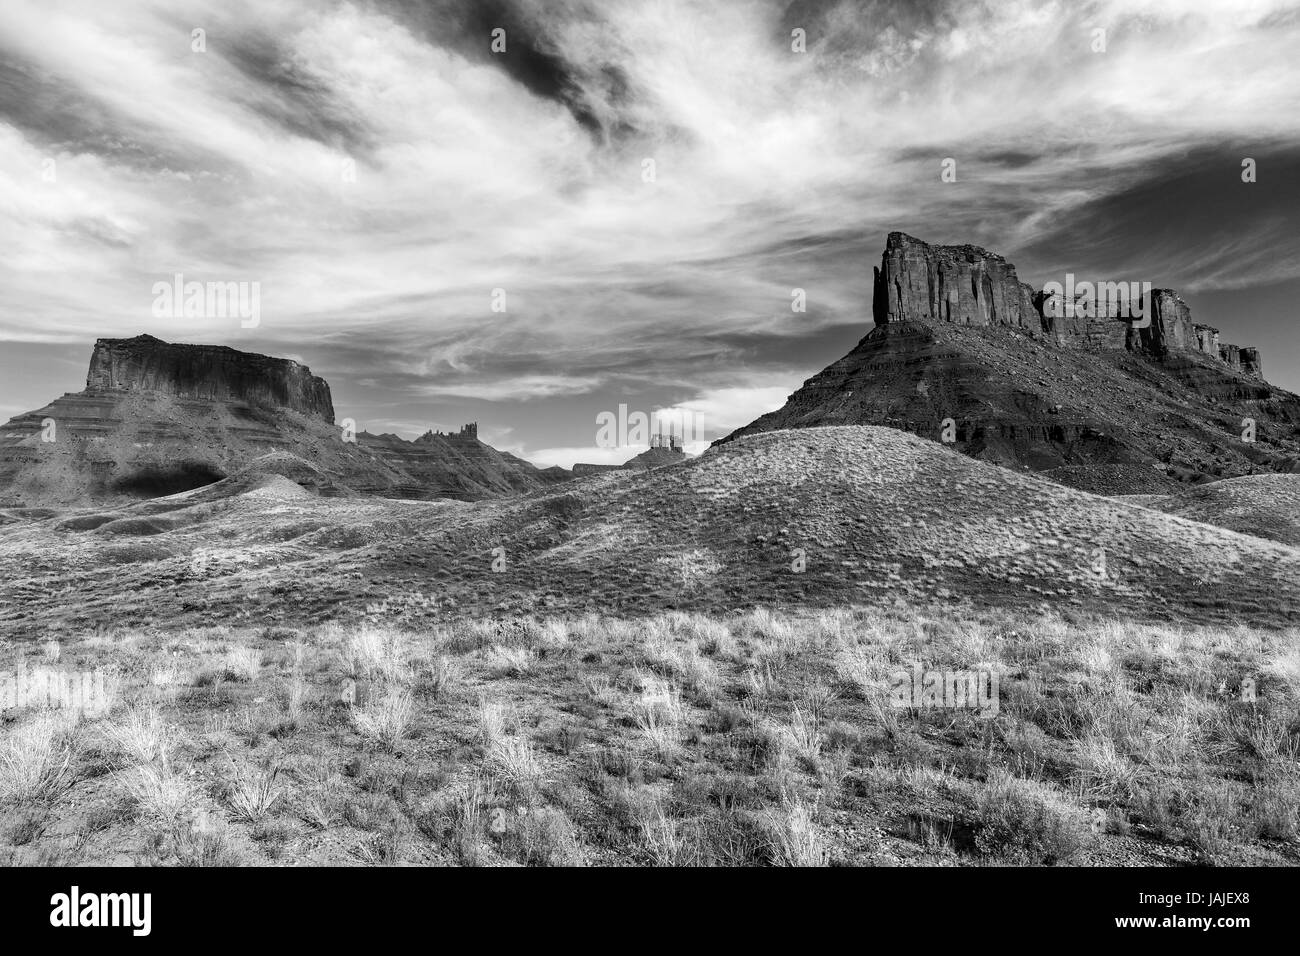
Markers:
point(386, 719)
point(243, 663)
point(659, 715)
point(795, 839)
point(254, 791)
point(514, 760)
point(35, 759)
point(683, 739)
point(159, 793)
point(376, 653)
point(141, 736)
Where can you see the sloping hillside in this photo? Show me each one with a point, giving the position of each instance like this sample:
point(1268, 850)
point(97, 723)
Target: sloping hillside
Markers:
point(1266, 506)
point(825, 516)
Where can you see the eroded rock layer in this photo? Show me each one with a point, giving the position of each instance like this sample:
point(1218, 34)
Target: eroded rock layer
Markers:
point(212, 372)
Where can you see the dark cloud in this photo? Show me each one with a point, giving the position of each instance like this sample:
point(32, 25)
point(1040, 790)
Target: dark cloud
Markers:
point(1188, 219)
point(287, 91)
point(531, 58)
point(59, 115)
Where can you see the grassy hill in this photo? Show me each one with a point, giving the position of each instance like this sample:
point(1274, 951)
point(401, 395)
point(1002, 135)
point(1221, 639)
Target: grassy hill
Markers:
point(821, 517)
point(1266, 506)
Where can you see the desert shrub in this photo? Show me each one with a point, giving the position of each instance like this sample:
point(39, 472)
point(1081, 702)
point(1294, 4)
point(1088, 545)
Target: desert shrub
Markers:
point(386, 719)
point(253, 791)
point(542, 837)
point(36, 757)
point(1019, 821)
point(159, 792)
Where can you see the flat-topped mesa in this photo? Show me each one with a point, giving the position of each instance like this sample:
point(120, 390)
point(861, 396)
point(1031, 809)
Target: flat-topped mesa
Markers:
point(968, 285)
point(211, 372)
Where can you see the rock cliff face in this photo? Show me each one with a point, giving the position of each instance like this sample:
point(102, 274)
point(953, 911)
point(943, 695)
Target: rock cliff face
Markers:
point(212, 372)
point(1251, 363)
point(967, 285)
point(1171, 324)
point(963, 352)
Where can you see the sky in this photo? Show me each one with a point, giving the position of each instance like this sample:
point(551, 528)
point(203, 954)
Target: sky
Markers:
point(616, 207)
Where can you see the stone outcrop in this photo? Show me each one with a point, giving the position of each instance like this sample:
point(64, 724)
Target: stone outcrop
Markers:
point(1251, 363)
point(968, 285)
point(211, 372)
point(1207, 340)
point(964, 285)
point(1171, 324)
point(660, 453)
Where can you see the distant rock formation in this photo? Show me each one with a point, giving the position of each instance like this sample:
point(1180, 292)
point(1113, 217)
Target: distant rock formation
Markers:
point(663, 450)
point(964, 352)
point(452, 465)
point(213, 372)
point(468, 432)
point(157, 418)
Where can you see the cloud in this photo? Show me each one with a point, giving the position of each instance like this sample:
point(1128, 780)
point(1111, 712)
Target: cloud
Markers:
point(719, 411)
point(381, 172)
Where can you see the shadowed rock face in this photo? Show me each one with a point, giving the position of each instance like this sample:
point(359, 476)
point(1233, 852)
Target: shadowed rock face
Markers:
point(212, 372)
point(1251, 363)
point(1171, 324)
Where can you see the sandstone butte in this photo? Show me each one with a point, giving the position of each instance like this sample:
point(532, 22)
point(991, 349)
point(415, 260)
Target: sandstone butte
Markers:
point(1093, 402)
